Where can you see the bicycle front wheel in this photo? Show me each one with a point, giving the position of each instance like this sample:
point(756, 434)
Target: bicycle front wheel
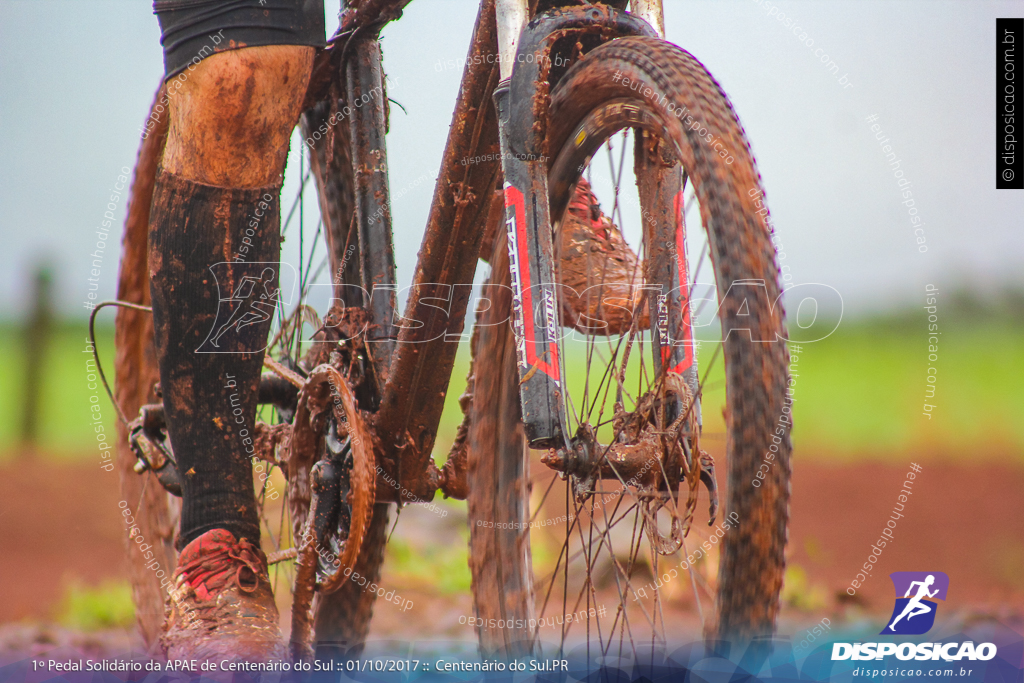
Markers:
point(609, 555)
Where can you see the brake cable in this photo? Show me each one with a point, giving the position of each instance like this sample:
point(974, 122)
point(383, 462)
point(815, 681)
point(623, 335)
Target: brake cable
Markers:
point(95, 352)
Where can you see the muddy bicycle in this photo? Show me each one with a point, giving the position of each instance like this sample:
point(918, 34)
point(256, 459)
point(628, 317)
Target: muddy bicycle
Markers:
point(591, 400)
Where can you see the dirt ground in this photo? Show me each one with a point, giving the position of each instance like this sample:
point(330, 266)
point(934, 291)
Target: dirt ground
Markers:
point(60, 522)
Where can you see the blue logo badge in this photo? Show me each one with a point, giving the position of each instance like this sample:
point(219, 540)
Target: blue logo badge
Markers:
point(914, 613)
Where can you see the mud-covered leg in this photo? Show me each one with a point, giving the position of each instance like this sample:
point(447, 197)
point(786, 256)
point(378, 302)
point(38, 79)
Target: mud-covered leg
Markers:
point(213, 252)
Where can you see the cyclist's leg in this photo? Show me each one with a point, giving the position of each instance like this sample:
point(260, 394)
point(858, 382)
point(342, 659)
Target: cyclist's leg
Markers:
point(232, 119)
point(216, 200)
point(219, 183)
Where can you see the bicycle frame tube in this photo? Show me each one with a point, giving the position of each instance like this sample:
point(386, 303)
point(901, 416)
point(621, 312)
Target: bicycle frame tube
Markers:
point(436, 309)
point(368, 125)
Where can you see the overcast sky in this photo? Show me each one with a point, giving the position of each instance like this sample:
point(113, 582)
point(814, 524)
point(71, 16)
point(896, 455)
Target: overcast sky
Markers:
point(77, 78)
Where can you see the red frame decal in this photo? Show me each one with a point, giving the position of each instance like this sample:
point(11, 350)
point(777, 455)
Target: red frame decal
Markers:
point(684, 288)
point(514, 198)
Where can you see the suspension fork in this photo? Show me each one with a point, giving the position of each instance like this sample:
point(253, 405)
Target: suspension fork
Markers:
point(531, 261)
point(531, 255)
point(525, 63)
point(660, 188)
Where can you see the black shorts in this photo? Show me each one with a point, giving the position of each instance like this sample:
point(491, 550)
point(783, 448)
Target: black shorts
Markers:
point(191, 30)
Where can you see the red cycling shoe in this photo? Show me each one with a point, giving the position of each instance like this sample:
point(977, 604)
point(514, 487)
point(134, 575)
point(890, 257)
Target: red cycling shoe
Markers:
point(222, 605)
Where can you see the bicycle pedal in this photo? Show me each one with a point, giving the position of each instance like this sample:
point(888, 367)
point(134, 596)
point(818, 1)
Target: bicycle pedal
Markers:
point(147, 442)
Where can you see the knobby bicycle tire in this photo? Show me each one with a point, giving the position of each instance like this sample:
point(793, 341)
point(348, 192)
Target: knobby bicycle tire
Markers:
point(136, 373)
point(662, 80)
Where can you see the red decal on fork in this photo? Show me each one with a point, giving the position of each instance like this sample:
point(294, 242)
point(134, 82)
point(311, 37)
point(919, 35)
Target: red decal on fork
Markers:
point(684, 289)
point(519, 261)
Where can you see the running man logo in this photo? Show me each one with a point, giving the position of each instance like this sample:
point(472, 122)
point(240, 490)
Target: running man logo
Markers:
point(248, 294)
point(914, 613)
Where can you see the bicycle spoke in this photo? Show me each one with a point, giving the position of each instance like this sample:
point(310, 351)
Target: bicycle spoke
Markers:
point(305, 282)
point(608, 549)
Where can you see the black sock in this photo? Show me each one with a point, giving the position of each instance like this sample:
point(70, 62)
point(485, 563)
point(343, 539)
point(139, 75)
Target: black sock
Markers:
point(210, 396)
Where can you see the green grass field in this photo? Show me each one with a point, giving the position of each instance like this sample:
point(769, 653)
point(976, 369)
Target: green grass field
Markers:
point(65, 425)
point(859, 393)
point(863, 391)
